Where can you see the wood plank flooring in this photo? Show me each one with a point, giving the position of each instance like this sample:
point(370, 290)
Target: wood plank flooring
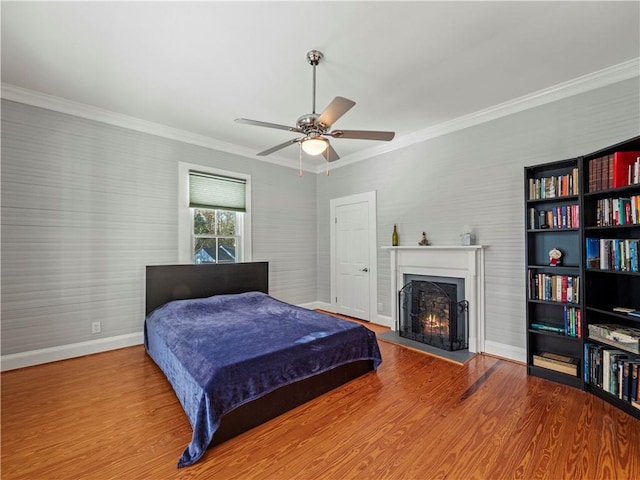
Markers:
point(114, 416)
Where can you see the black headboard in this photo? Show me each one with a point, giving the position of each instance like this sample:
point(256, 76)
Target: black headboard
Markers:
point(177, 282)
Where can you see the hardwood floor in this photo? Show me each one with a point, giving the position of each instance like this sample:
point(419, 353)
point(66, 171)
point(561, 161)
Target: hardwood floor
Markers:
point(114, 416)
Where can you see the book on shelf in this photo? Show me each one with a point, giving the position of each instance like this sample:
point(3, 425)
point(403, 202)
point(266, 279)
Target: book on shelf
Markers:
point(610, 357)
point(593, 252)
point(616, 170)
point(617, 211)
point(624, 309)
point(554, 288)
point(629, 379)
point(623, 168)
point(626, 338)
point(554, 186)
point(547, 328)
point(633, 385)
point(558, 363)
point(614, 254)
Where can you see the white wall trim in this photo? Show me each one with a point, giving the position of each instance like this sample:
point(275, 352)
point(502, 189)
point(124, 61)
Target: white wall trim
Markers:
point(510, 352)
point(315, 306)
point(585, 83)
point(383, 320)
point(591, 81)
point(57, 104)
point(64, 352)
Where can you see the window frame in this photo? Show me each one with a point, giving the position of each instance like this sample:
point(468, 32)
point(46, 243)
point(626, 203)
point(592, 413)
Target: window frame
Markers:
point(185, 215)
point(237, 237)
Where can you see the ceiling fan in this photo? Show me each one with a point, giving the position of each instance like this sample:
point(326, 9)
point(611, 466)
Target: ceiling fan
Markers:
point(315, 128)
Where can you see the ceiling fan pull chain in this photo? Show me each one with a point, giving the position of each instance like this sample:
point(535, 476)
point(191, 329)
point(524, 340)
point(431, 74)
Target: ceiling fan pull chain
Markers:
point(300, 156)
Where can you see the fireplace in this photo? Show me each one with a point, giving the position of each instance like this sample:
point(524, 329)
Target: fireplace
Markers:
point(430, 313)
point(440, 263)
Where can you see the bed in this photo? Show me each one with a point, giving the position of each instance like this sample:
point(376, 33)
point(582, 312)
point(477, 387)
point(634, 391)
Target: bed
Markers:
point(237, 357)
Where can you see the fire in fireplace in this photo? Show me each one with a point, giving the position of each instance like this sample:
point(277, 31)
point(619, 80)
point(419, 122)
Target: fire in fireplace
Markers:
point(431, 313)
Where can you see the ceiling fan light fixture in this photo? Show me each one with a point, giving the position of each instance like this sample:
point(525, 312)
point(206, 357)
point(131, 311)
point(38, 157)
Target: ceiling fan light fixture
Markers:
point(314, 145)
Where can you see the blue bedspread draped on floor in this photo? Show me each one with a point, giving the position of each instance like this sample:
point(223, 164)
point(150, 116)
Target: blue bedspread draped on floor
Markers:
point(223, 351)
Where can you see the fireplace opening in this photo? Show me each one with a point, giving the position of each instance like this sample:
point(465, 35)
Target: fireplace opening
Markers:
point(430, 313)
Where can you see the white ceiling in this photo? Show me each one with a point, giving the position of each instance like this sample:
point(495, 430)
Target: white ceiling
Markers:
point(409, 66)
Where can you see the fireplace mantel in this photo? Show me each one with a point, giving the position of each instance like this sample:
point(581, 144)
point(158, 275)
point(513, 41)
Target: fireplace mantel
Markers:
point(455, 261)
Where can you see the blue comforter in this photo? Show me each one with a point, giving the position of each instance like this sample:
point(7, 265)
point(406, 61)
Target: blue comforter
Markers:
point(223, 351)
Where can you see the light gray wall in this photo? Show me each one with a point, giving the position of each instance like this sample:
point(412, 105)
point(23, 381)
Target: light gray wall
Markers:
point(475, 177)
point(85, 206)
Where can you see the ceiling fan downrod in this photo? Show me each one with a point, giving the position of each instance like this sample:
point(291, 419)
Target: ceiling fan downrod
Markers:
point(313, 57)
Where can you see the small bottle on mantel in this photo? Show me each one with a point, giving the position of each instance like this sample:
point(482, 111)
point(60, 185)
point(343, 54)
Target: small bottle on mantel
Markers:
point(394, 236)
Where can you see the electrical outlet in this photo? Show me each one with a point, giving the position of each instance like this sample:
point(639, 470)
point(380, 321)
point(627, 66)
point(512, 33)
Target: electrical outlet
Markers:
point(380, 306)
point(96, 327)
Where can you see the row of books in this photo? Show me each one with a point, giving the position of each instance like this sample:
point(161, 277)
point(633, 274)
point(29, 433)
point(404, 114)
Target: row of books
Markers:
point(566, 216)
point(613, 171)
point(614, 371)
point(558, 363)
point(618, 211)
point(554, 288)
point(622, 255)
point(572, 323)
point(619, 336)
point(555, 186)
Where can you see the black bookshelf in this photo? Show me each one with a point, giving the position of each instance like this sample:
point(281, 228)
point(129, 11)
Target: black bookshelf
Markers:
point(553, 221)
point(603, 286)
point(614, 283)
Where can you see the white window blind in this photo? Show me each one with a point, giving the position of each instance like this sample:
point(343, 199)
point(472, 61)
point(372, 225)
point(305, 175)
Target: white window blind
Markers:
point(217, 192)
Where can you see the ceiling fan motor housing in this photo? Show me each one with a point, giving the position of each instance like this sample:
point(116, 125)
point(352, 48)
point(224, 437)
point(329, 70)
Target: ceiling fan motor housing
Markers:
point(309, 123)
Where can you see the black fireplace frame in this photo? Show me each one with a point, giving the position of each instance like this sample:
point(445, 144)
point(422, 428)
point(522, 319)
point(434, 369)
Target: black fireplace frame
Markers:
point(456, 340)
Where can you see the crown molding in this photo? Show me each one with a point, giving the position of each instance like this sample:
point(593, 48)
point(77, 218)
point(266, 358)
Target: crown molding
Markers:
point(585, 83)
point(89, 112)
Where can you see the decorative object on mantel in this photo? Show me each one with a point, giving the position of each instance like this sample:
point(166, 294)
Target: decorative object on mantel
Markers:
point(555, 256)
point(423, 241)
point(467, 236)
point(394, 236)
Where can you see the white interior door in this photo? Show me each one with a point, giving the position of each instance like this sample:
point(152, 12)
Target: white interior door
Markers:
point(353, 264)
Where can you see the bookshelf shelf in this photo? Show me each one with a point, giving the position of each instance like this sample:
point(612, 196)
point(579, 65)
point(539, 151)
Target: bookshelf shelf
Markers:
point(607, 271)
point(599, 208)
point(559, 377)
point(547, 230)
point(553, 334)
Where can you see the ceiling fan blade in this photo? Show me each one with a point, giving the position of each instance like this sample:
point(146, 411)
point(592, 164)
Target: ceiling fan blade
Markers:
point(337, 108)
point(258, 123)
point(363, 134)
point(330, 154)
point(278, 147)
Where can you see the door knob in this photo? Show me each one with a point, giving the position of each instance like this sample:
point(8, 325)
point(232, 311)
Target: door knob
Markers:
point(365, 269)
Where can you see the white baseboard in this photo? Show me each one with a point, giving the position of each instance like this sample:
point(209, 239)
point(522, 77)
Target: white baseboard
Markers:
point(315, 305)
point(383, 320)
point(505, 351)
point(377, 319)
point(63, 352)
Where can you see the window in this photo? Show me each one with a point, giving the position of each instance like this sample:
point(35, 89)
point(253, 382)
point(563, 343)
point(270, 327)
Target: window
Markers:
point(215, 236)
point(214, 215)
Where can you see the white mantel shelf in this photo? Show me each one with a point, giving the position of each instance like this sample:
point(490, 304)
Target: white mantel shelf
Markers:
point(435, 247)
point(456, 261)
